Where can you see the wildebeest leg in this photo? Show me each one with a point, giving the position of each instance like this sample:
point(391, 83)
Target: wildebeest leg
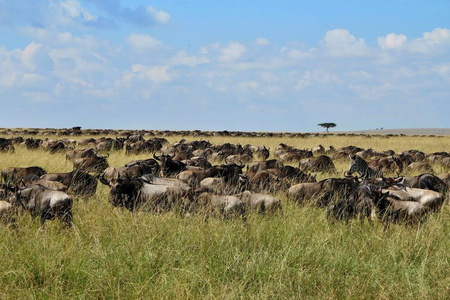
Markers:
point(43, 217)
point(67, 218)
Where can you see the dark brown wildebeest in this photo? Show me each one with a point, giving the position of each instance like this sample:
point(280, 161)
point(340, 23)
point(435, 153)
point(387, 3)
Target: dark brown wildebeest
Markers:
point(6, 145)
point(47, 204)
point(79, 182)
point(81, 153)
point(425, 181)
point(322, 192)
point(15, 175)
point(91, 164)
point(139, 147)
point(320, 163)
point(169, 167)
point(387, 165)
point(419, 167)
point(293, 174)
point(256, 166)
point(133, 171)
point(263, 180)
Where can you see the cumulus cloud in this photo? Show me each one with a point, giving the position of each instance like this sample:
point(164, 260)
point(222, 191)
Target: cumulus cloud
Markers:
point(262, 41)
point(143, 43)
point(339, 42)
point(392, 41)
point(438, 36)
point(36, 57)
point(232, 52)
point(182, 58)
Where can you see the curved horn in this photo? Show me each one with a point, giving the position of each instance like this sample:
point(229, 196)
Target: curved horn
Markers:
point(103, 180)
point(347, 174)
point(156, 157)
point(241, 165)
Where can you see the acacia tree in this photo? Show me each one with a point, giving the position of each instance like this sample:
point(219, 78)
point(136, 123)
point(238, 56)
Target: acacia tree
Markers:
point(327, 125)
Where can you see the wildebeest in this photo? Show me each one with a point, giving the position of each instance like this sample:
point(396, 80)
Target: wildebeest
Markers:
point(15, 175)
point(224, 206)
point(425, 181)
point(7, 213)
point(133, 171)
point(320, 163)
point(148, 192)
point(169, 167)
point(81, 153)
point(261, 202)
point(392, 209)
point(79, 182)
point(429, 199)
point(6, 145)
point(47, 204)
point(91, 164)
point(322, 192)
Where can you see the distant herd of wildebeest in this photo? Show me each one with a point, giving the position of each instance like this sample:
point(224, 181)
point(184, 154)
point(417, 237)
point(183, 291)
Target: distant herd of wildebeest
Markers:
point(181, 177)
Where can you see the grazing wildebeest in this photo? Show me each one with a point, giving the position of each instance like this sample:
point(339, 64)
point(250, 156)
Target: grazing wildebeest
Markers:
point(261, 202)
point(148, 192)
point(91, 164)
point(47, 204)
point(320, 163)
point(81, 153)
point(15, 175)
point(322, 192)
point(6, 145)
point(79, 182)
point(133, 171)
point(223, 205)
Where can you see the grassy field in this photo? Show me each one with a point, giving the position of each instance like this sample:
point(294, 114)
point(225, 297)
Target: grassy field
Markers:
point(111, 253)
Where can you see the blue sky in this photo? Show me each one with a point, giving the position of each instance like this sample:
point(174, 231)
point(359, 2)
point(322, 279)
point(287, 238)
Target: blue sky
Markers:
point(225, 65)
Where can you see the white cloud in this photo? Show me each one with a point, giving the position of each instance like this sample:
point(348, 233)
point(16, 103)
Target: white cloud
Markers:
point(248, 86)
point(142, 43)
point(392, 41)
point(232, 52)
point(438, 36)
point(262, 41)
point(160, 16)
point(296, 54)
point(73, 9)
point(339, 42)
point(182, 58)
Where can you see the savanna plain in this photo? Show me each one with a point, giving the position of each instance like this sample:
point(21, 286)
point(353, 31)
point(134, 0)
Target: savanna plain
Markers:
point(296, 253)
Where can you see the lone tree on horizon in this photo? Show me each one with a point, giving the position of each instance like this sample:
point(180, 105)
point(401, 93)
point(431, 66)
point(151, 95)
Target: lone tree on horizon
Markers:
point(327, 125)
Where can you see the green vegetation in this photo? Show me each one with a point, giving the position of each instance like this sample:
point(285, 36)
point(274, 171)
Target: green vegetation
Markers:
point(111, 253)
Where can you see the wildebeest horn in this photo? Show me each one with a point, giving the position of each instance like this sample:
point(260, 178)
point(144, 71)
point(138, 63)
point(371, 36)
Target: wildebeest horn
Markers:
point(241, 165)
point(102, 179)
point(346, 174)
point(156, 157)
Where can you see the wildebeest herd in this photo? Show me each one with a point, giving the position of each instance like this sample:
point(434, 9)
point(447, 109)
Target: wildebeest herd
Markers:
point(182, 178)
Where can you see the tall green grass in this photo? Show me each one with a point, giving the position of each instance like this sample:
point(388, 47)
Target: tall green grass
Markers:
point(111, 253)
